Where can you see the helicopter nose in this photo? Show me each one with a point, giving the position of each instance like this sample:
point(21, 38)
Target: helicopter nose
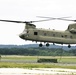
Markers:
point(22, 36)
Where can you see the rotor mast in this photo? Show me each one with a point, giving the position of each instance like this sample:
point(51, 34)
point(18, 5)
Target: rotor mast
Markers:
point(29, 25)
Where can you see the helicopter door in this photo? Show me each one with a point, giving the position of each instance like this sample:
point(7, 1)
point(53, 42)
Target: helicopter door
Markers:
point(36, 35)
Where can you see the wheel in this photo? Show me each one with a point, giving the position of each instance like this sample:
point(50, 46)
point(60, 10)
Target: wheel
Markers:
point(69, 46)
point(47, 44)
point(40, 45)
point(53, 43)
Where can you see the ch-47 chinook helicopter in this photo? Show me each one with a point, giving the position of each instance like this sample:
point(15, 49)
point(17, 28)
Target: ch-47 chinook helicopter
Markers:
point(48, 36)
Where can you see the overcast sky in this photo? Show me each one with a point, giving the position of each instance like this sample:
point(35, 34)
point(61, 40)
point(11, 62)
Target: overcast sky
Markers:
point(27, 10)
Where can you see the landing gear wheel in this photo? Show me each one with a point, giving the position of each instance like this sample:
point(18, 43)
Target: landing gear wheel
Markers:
point(53, 43)
point(69, 46)
point(40, 45)
point(47, 44)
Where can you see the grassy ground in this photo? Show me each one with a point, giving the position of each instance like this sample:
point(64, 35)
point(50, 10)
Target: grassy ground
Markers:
point(34, 65)
point(23, 62)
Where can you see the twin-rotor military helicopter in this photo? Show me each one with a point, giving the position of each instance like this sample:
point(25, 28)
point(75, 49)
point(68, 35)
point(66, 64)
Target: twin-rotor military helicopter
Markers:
point(48, 36)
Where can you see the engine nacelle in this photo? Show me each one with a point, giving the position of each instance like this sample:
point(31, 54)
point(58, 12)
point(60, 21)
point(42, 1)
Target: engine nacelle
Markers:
point(73, 30)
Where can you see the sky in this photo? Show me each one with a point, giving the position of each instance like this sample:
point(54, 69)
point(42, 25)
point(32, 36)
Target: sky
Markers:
point(28, 10)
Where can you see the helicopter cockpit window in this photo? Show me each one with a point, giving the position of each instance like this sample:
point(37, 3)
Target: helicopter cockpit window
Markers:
point(26, 31)
point(35, 33)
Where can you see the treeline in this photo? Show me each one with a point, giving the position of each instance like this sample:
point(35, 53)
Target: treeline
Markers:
point(37, 51)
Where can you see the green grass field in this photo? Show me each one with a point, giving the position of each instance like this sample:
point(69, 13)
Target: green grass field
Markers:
point(65, 59)
point(13, 61)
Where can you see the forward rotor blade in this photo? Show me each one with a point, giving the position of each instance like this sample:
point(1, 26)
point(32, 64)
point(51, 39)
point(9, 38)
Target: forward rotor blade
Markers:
point(28, 22)
point(25, 21)
point(14, 21)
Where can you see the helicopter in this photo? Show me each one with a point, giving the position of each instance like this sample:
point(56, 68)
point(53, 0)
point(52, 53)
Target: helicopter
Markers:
point(47, 36)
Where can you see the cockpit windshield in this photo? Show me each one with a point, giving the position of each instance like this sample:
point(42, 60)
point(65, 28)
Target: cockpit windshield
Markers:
point(25, 31)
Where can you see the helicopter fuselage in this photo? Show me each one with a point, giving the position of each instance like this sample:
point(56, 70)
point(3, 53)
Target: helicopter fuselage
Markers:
point(46, 35)
point(49, 36)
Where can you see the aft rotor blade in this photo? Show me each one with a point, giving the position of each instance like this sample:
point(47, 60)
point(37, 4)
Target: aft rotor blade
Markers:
point(53, 17)
point(46, 17)
point(61, 18)
point(41, 20)
point(66, 19)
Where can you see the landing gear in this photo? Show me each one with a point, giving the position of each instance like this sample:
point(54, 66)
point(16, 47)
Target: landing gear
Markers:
point(47, 44)
point(53, 43)
point(69, 46)
point(40, 45)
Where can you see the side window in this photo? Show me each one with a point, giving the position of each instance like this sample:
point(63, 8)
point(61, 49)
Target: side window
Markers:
point(65, 36)
point(71, 37)
point(35, 33)
point(27, 31)
point(62, 36)
point(53, 34)
point(44, 34)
